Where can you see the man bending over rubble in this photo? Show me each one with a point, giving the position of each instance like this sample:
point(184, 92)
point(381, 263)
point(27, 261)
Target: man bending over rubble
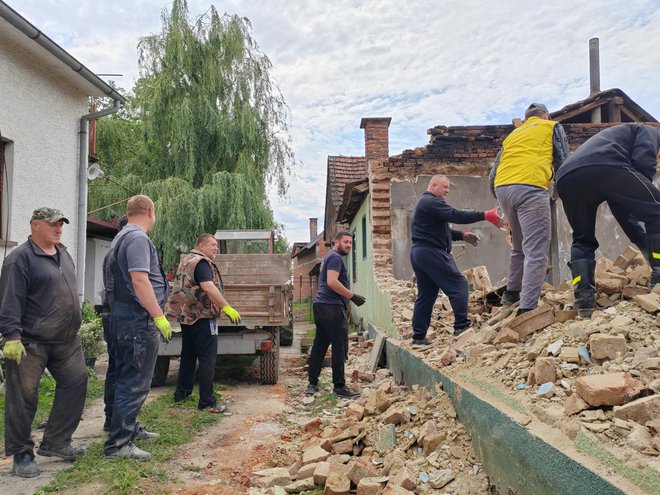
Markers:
point(331, 316)
point(617, 165)
point(431, 257)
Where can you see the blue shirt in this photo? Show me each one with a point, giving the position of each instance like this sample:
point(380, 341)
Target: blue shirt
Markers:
point(324, 294)
point(138, 254)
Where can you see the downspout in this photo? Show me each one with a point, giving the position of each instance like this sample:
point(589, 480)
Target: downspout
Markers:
point(82, 192)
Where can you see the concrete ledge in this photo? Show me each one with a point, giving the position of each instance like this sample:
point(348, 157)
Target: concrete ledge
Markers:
point(518, 462)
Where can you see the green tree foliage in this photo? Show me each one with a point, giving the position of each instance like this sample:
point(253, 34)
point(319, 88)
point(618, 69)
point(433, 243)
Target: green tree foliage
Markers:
point(204, 134)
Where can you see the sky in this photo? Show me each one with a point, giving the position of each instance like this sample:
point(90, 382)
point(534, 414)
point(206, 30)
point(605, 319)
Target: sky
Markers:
point(422, 63)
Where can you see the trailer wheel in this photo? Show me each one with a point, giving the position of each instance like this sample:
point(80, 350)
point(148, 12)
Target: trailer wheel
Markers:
point(286, 336)
point(269, 361)
point(160, 371)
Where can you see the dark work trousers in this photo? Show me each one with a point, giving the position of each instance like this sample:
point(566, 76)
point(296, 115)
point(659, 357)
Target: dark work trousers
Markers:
point(135, 341)
point(632, 199)
point(436, 269)
point(67, 365)
point(331, 330)
point(109, 390)
point(197, 345)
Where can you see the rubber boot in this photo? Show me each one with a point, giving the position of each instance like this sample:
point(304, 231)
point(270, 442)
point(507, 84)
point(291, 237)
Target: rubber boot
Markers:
point(584, 286)
point(653, 242)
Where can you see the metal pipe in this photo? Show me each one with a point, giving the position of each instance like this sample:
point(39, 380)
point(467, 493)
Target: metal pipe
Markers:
point(594, 66)
point(83, 143)
point(24, 26)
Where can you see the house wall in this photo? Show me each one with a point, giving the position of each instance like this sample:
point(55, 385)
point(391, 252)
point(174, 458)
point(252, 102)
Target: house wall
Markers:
point(377, 310)
point(95, 252)
point(304, 286)
point(40, 117)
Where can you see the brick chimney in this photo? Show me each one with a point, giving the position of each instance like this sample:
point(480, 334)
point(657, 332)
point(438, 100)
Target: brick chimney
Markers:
point(376, 137)
point(313, 228)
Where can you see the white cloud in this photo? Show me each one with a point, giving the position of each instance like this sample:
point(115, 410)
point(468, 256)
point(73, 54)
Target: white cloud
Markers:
point(423, 63)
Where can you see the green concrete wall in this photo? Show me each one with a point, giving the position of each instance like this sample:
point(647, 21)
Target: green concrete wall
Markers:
point(517, 462)
point(376, 310)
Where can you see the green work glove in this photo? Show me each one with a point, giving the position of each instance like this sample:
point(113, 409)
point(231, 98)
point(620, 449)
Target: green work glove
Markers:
point(164, 326)
point(14, 350)
point(232, 313)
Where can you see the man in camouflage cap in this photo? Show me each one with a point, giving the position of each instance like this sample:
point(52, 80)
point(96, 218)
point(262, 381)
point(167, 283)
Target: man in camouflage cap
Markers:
point(39, 320)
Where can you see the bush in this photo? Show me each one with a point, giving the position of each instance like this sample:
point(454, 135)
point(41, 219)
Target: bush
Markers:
point(91, 333)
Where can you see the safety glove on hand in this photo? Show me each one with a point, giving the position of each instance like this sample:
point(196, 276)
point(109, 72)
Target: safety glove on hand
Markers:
point(14, 350)
point(234, 317)
point(164, 326)
point(493, 217)
point(471, 238)
point(358, 299)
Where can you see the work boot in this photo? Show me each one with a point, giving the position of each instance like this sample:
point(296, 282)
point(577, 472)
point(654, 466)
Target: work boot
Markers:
point(419, 342)
point(68, 453)
point(312, 389)
point(143, 434)
point(584, 286)
point(510, 297)
point(653, 241)
point(343, 392)
point(24, 465)
point(130, 451)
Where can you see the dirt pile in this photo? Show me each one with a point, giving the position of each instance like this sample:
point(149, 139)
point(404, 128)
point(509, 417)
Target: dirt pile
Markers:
point(389, 440)
point(600, 375)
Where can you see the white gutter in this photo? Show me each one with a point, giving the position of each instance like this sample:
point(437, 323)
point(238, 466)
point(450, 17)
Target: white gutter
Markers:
point(82, 192)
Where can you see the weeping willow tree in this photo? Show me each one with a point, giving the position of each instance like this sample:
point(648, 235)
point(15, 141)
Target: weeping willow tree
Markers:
point(206, 132)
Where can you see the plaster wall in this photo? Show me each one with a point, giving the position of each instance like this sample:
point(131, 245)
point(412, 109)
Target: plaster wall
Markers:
point(473, 193)
point(96, 250)
point(39, 116)
point(377, 310)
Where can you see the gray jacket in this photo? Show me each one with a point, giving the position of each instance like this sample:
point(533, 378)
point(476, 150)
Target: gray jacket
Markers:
point(39, 296)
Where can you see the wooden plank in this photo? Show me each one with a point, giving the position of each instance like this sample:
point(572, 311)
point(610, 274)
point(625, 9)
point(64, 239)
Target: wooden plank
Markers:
point(376, 351)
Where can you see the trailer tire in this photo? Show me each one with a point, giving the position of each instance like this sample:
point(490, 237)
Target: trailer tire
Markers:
point(269, 367)
point(161, 370)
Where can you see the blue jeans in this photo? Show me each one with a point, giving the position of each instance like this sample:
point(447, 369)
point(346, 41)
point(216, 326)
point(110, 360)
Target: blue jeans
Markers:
point(197, 344)
point(436, 269)
point(135, 342)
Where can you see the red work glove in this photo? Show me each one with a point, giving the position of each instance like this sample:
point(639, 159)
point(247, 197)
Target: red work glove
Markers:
point(493, 217)
point(471, 238)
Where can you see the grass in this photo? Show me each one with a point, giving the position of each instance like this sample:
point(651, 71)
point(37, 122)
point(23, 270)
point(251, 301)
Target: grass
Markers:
point(46, 396)
point(304, 308)
point(491, 389)
point(324, 399)
point(647, 479)
point(177, 424)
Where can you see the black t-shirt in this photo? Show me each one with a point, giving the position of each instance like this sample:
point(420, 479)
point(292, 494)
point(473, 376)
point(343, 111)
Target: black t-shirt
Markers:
point(324, 294)
point(203, 272)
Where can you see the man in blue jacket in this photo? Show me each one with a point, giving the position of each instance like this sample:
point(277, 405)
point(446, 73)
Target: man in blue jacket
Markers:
point(431, 257)
point(617, 165)
point(39, 320)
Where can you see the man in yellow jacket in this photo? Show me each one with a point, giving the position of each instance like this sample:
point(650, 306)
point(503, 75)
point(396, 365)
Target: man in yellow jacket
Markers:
point(520, 179)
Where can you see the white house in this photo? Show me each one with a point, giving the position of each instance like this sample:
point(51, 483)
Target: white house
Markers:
point(44, 117)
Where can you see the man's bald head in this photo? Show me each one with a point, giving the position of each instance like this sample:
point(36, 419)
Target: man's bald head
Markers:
point(439, 186)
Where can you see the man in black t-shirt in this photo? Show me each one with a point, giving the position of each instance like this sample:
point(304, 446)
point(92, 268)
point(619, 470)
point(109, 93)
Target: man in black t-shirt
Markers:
point(331, 316)
point(195, 302)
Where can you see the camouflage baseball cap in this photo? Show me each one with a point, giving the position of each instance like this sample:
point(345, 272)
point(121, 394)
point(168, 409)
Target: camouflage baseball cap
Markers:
point(48, 215)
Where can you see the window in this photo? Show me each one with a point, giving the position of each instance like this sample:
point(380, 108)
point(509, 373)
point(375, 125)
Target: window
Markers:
point(6, 161)
point(353, 259)
point(364, 237)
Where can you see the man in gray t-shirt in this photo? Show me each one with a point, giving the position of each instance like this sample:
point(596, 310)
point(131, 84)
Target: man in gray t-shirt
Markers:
point(140, 293)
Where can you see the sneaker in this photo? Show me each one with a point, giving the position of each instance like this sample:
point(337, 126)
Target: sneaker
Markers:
point(215, 409)
point(68, 453)
point(312, 389)
point(343, 392)
point(458, 331)
point(130, 451)
point(143, 434)
point(418, 342)
point(24, 465)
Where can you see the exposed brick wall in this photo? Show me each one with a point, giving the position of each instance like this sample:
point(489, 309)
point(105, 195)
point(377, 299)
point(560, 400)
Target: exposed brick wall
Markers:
point(376, 137)
point(305, 287)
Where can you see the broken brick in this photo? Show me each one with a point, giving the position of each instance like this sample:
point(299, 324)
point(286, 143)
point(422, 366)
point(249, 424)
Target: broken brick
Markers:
point(640, 410)
point(545, 370)
point(531, 321)
point(611, 389)
point(603, 346)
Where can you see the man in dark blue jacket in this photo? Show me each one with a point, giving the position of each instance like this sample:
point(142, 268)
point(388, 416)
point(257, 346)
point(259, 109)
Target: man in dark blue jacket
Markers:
point(431, 257)
point(617, 165)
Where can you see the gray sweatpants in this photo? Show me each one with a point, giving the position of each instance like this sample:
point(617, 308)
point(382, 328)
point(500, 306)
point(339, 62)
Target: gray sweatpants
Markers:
point(527, 209)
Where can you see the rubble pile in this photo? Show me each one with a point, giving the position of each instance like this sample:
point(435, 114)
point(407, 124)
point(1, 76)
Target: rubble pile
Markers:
point(389, 440)
point(600, 374)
